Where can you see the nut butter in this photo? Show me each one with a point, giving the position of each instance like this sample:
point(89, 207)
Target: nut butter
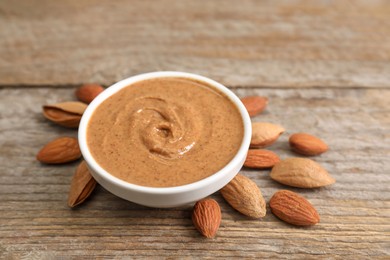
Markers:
point(165, 132)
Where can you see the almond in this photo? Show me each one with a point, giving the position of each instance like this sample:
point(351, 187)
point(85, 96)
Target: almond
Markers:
point(206, 217)
point(301, 173)
point(243, 195)
point(293, 208)
point(254, 104)
point(265, 134)
point(66, 114)
point(82, 185)
point(307, 144)
point(261, 159)
point(87, 92)
point(61, 150)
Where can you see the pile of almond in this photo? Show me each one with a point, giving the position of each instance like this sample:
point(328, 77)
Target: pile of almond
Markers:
point(245, 196)
point(66, 149)
point(241, 193)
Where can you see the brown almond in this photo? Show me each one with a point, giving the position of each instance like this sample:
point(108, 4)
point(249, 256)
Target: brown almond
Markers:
point(66, 114)
point(245, 196)
point(88, 92)
point(254, 104)
point(60, 150)
point(265, 134)
point(301, 173)
point(261, 159)
point(206, 217)
point(293, 208)
point(82, 185)
point(307, 144)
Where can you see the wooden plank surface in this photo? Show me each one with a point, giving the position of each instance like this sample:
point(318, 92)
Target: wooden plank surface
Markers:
point(251, 43)
point(35, 222)
point(271, 48)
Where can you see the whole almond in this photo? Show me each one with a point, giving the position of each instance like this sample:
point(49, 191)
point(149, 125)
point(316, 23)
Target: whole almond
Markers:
point(265, 134)
point(66, 114)
point(82, 185)
point(87, 92)
point(206, 217)
point(261, 159)
point(307, 144)
point(244, 196)
point(301, 173)
point(293, 208)
point(254, 104)
point(61, 150)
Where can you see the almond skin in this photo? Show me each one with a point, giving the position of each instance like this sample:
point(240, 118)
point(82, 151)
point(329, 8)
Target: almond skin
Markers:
point(82, 185)
point(206, 217)
point(243, 195)
point(293, 208)
point(60, 150)
point(254, 104)
point(301, 173)
point(265, 134)
point(67, 114)
point(261, 159)
point(87, 92)
point(307, 144)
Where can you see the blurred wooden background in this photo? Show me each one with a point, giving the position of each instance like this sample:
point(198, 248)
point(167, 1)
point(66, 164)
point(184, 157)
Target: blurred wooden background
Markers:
point(251, 43)
point(325, 66)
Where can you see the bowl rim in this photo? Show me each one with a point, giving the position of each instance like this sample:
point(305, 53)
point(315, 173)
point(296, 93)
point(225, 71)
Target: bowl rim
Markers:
point(111, 90)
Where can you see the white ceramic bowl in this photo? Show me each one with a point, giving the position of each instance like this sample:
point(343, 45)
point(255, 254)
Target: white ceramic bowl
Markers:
point(170, 196)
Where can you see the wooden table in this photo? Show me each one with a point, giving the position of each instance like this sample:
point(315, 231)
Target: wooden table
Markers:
point(325, 66)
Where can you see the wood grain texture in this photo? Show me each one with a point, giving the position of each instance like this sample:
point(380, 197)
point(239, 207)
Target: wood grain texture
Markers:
point(253, 43)
point(35, 222)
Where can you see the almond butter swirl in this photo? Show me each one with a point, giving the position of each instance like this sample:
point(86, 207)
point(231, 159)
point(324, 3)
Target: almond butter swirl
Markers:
point(165, 132)
point(162, 128)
